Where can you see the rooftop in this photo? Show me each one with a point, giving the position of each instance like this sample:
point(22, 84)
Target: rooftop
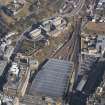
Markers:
point(52, 79)
point(16, 79)
point(96, 27)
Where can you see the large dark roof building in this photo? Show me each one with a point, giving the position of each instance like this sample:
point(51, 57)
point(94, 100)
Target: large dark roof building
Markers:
point(52, 79)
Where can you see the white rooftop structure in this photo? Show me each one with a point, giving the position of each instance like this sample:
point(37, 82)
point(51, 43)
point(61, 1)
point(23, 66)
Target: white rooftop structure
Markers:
point(57, 21)
point(47, 25)
point(36, 34)
point(14, 68)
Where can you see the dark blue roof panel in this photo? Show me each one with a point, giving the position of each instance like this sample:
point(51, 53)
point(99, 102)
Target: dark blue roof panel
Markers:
point(52, 79)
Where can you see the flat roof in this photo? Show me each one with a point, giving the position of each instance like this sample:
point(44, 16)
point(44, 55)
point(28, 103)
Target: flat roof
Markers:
point(96, 27)
point(52, 79)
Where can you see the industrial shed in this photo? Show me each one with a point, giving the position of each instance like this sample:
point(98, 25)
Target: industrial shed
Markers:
point(52, 79)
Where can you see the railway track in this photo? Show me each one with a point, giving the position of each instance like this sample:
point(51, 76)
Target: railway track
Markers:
point(67, 51)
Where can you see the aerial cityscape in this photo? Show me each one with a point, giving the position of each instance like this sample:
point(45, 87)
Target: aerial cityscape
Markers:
point(52, 52)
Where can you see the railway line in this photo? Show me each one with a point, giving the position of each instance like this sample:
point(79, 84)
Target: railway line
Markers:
point(68, 50)
point(67, 44)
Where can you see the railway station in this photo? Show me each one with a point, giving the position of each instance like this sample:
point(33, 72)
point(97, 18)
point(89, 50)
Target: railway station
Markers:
point(53, 79)
point(50, 61)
